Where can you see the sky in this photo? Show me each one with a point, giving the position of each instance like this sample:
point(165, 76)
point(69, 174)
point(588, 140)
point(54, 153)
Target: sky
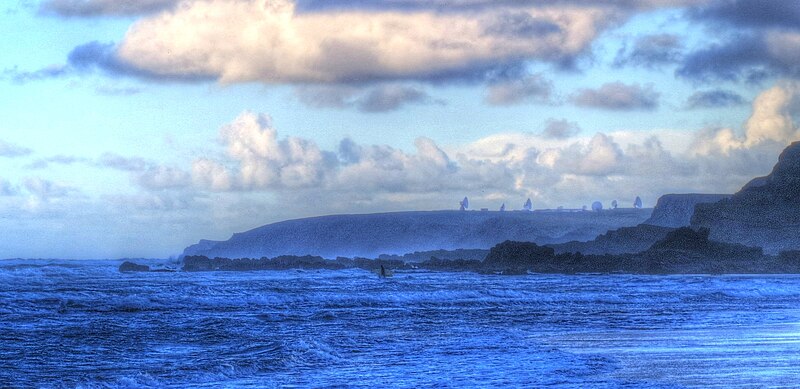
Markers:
point(136, 128)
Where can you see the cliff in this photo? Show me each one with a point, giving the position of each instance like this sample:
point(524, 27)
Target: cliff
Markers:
point(398, 233)
point(676, 210)
point(764, 213)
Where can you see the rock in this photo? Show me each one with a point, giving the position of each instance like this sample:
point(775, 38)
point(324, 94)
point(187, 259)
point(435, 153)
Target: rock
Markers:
point(128, 266)
point(517, 255)
point(626, 240)
point(686, 250)
point(764, 213)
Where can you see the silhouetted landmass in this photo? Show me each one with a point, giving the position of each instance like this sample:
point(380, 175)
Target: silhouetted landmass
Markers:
point(626, 240)
point(681, 251)
point(399, 233)
point(422, 256)
point(764, 213)
point(285, 262)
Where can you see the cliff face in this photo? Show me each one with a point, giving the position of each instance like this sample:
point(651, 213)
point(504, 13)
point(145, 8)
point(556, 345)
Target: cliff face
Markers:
point(675, 210)
point(406, 232)
point(764, 213)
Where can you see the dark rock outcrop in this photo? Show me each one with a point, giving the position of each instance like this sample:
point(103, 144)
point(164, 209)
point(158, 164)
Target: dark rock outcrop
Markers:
point(681, 251)
point(676, 210)
point(517, 255)
point(764, 213)
point(687, 250)
point(128, 266)
point(626, 240)
point(446, 255)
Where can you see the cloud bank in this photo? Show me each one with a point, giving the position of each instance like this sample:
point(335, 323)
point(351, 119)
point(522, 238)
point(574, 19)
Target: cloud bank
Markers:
point(271, 42)
point(554, 166)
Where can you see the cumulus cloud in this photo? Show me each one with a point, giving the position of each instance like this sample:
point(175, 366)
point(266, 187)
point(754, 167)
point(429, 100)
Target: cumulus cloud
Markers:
point(770, 125)
point(95, 8)
point(445, 5)
point(533, 88)
point(383, 98)
point(618, 96)
point(42, 191)
point(650, 51)
point(601, 156)
point(560, 129)
point(162, 177)
point(209, 174)
point(548, 167)
point(271, 42)
point(10, 150)
point(261, 160)
point(715, 98)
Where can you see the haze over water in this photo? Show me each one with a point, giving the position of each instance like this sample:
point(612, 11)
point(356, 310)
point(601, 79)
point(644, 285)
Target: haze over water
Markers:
point(82, 323)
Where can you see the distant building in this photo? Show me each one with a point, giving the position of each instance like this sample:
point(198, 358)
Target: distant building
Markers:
point(528, 205)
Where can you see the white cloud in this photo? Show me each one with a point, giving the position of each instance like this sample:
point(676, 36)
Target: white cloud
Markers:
point(269, 41)
point(162, 177)
point(772, 116)
point(771, 122)
point(553, 170)
point(210, 174)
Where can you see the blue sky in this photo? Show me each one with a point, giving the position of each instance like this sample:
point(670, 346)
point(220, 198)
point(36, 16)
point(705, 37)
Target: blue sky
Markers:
point(137, 128)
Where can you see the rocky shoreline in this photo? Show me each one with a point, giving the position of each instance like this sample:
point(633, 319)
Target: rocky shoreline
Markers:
point(682, 251)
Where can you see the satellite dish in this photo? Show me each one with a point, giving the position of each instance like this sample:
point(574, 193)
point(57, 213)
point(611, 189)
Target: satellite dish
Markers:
point(528, 205)
point(597, 206)
point(464, 204)
point(614, 204)
point(503, 207)
point(638, 202)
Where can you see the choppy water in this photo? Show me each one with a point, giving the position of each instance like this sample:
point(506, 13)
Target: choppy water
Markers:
point(71, 323)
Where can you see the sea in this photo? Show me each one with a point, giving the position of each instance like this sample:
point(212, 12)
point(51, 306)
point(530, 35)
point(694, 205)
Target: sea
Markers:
point(84, 324)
